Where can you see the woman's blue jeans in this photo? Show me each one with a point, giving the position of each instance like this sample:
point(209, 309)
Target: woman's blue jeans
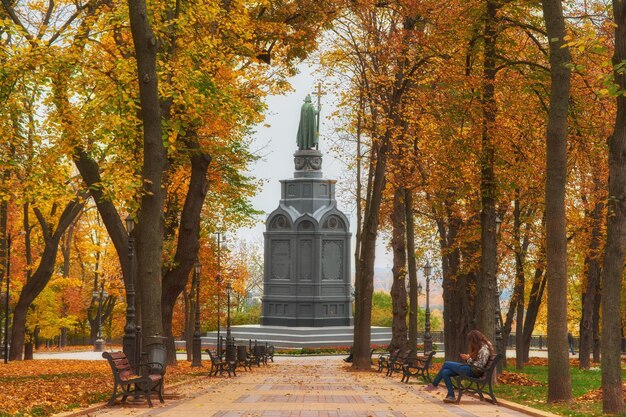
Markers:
point(448, 370)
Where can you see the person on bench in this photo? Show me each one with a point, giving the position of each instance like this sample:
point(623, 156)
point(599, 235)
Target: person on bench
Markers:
point(480, 349)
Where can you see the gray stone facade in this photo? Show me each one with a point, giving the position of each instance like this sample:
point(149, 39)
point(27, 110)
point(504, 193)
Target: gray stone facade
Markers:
point(307, 252)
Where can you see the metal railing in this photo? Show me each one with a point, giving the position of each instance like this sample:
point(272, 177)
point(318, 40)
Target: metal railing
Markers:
point(537, 342)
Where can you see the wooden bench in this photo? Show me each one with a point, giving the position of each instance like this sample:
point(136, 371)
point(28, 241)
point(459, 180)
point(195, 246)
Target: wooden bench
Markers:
point(418, 367)
point(398, 362)
point(218, 365)
point(132, 381)
point(385, 357)
point(350, 357)
point(243, 359)
point(477, 384)
point(259, 355)
point(269, 355)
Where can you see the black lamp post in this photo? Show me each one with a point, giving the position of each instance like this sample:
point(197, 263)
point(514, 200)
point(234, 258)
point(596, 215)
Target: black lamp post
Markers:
point(218, 280)
point(6, 301)
point(231, 353)
point(99, 345)
point(131, 341)
point(428, 341)
point(229, 289)
point(498, 322)
point(417, 314)
point(197, 348)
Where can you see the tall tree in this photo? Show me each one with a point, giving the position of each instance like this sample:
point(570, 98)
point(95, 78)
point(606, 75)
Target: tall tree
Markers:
point(592, 274)
point(486, 290)
point(613, 268)
point(149, 231)
point(398, 287)
point(412, 267)
point(559, 382)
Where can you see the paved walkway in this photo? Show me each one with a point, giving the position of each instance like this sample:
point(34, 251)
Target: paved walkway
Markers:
point(90, 356)
point(315, 387)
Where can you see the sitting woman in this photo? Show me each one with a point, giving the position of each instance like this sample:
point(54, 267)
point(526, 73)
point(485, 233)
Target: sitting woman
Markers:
point(480, 349)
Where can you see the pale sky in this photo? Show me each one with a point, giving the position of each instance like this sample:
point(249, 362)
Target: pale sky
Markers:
point(275, 140)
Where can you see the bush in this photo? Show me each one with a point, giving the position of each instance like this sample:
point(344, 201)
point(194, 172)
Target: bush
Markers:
point(331, 350)
point(250, 315)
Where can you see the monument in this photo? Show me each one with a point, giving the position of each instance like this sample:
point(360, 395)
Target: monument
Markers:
point(307, 244)
point(307, 297)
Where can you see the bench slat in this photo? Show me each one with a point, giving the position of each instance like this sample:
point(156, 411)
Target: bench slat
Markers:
point(129, 382)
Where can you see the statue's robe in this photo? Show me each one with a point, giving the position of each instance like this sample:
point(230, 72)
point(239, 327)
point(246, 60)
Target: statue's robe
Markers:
point(307, 130)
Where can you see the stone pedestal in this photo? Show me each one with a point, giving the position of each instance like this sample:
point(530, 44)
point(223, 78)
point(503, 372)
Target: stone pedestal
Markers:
point(307, 252)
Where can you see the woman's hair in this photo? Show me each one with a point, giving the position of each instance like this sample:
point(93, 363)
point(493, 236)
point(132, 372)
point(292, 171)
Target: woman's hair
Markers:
point(475, 341)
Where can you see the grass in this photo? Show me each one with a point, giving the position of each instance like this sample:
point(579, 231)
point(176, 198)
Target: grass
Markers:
point(583, 381)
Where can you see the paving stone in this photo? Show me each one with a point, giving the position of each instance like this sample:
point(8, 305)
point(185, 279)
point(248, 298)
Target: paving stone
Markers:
point(318, 387)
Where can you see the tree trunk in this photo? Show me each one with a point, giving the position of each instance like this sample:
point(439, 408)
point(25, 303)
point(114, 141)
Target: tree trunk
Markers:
point(457, 314)
point(190, 312)
point(534, 302)
point(28, 351)
point(149, 230)
point(175, 280)
point(410, 248)
point(559, 382)
point(592, 269)
point(28, 252)
point(508, 323)
point(596, 324)
point(185, 335)
point(167, 313)
point(63, 338)
point(359, 184)
point(364, 281)
point(66, 250)
point(36, 337)
point(90, 173)
point(521, 248)
point(613, 267)
point(42, 275)
point(4, 206)
point(486, 290)
point(398, 287)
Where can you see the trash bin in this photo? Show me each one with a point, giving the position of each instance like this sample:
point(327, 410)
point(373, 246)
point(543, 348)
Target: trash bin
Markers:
point(231, 351)
point(157, 353)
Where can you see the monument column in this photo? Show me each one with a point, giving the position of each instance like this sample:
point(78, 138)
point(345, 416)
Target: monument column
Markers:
point(307, 244)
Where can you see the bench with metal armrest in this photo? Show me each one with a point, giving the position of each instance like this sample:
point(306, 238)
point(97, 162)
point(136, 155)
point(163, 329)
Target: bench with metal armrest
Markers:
point(396, 364)
point(477, 384)
point(219, 366)
point(418, 367)
point(385, 357)
point(131, 381)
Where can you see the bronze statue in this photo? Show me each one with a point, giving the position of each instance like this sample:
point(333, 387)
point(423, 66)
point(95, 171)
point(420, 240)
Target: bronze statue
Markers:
point(307, 130)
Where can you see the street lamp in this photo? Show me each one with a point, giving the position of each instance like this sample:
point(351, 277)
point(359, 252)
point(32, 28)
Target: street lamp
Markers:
point(417, 314)
point(197, 348)
point(498, 321)
point(231, 353)
point(99, 345)
point(131, 343)
point(229, 289)
point(428, 341)
point(218, 280)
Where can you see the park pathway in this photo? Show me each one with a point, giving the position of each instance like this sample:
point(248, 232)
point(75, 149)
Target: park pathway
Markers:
point(310, 387)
